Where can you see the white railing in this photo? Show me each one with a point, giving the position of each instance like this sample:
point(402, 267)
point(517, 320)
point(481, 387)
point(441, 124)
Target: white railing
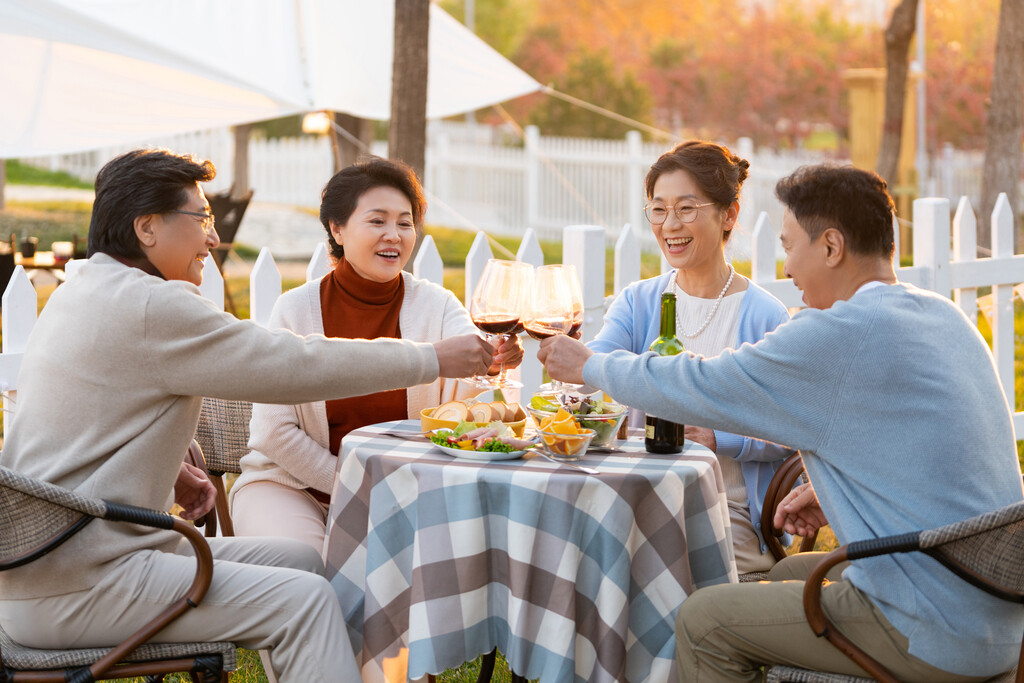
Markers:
point(485, 178)
point(955, 272)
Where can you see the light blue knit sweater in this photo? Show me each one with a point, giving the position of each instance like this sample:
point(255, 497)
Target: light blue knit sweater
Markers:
point(893, 400)
point(634, 321)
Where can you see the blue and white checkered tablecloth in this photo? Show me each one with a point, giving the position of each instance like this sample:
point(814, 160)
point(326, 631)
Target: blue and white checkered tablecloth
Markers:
point(573, 577)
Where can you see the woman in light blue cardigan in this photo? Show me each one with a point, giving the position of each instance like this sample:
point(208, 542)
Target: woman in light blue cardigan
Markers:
point(693, 193)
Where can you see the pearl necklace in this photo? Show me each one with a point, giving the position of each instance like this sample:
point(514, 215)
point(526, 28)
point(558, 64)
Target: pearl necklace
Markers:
point(674, 288)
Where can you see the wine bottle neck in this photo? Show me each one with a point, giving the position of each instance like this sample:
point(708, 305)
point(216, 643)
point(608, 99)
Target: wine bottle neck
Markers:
point(668, 315)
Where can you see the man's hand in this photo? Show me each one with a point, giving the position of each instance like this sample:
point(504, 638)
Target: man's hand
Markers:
point(509, 354)
point(564, 358)
point(799, 512)
point(463, 356)
point(193, 492)
point(702, 435)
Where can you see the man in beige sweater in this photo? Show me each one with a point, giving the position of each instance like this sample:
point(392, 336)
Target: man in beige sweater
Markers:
point(109, 396)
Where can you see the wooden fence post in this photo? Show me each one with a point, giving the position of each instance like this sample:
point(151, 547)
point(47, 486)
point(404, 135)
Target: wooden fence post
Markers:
point(212, 287)
point(627, 259)
point(532, 146)
point(931, 243)
point(762, 257)
point(264, 287)
point(583, 247)
point(319, 263)
point(476, 260)
point(20, 304)
point(428, 264)
point(965, 248)
point(1002, 299)
point(531, 372)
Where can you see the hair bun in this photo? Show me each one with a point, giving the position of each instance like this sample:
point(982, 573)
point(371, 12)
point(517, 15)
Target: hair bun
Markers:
point(743, 167)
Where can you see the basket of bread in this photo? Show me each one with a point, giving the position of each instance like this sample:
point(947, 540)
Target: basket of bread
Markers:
point(449, 415)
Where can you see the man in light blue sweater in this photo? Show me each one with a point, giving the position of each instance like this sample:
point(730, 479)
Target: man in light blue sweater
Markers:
point(891, 395)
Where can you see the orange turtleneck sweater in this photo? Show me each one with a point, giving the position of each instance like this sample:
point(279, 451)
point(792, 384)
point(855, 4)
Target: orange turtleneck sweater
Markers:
point(356, 308)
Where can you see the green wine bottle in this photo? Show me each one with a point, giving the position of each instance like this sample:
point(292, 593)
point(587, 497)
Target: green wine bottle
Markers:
point(661, 435)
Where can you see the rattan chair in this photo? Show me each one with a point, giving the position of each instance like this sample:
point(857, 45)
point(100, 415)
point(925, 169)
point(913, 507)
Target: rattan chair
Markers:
point(37, 517)
point(223, 438)
point(987, 551)
point(791, 470)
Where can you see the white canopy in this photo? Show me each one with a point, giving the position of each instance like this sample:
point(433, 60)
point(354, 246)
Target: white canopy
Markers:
point(81, 74)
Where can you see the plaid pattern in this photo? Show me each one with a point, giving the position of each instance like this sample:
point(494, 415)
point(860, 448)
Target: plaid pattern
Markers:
point(21, 658)
point(32, 512)
point(780, 674)
point(223, 433)
point(990, 545)
point(573, 577)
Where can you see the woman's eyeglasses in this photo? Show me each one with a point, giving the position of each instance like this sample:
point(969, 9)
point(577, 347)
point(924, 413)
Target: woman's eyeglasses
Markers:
point(207, 222)
point(686, 213)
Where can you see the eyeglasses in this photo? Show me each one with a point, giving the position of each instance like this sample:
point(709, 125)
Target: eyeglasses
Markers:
point(686, 213)
point(207, 222)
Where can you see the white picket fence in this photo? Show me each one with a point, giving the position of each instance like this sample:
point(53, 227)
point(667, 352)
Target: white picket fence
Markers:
point(949, 271)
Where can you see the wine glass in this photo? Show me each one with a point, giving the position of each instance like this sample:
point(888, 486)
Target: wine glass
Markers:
point(569, 299)
point(497, 308)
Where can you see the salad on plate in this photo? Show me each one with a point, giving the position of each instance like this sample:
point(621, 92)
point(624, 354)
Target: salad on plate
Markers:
point(495, 441)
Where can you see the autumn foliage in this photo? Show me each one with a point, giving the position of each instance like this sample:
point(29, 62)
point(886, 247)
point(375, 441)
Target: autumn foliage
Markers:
point(729, 68)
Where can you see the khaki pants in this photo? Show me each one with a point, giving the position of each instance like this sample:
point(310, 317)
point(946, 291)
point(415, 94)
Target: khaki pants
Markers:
point(266, 594)
point(728, 632)
point(266, 508)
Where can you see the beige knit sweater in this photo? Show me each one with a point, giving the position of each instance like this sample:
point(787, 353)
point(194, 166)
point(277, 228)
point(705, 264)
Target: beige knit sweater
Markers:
point(110, 389)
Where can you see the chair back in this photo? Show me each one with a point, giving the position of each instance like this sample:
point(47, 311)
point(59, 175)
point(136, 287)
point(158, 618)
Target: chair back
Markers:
point(227, 213)
point(986, 551)
point(223, 433)
point(36, 517)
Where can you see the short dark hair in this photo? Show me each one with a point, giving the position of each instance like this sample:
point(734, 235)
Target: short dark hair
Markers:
point(718, 172)
point(139, 183)
point(342, 192)
point(853, 201)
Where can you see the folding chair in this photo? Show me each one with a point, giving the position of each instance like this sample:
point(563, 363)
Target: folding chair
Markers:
point(987, 551)
point(37, 517)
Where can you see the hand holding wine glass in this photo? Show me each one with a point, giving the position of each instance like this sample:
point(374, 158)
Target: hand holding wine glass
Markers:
point(497, 307)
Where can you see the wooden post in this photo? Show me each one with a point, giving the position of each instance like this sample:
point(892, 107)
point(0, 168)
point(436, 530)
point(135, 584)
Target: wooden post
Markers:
point(240, 185)
point(3, 183)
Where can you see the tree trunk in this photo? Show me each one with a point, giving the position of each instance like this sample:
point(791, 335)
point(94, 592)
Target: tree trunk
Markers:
point(347, 151)
point(3, 183)
point(1003, 129)
point(407, 136)
point(897, 46)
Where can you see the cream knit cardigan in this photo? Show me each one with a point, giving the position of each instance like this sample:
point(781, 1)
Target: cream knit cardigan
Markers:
point(290, 442)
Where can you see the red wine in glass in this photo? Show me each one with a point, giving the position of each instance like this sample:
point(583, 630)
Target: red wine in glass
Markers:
point(541, 329)
point(497, 324)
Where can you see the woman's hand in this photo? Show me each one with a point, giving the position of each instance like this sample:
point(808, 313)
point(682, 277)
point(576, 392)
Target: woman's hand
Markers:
point(508, 355)
point(799, 512)
point(702, 435)
point(194, 492)
point(463, 356)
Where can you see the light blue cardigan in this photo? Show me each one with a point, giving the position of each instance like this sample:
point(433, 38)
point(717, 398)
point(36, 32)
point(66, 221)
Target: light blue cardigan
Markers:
point(634, 321)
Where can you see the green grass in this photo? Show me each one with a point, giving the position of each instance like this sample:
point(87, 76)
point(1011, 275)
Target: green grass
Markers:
point(51, 221)
point(250, 670)
point(23, 174)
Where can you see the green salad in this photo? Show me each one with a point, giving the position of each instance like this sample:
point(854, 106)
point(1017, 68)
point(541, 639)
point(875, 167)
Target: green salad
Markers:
point(590, 412)
point(454, 438)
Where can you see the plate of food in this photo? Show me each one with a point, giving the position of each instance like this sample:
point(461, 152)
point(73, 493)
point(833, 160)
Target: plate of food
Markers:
point(492, 442)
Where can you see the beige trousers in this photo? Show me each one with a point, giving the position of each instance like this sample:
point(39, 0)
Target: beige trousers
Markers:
point(266, 508)
point(266, 594)
point(728, 632)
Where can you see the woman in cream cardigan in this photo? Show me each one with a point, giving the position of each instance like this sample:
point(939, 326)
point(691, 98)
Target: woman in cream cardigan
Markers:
point(371, 212)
